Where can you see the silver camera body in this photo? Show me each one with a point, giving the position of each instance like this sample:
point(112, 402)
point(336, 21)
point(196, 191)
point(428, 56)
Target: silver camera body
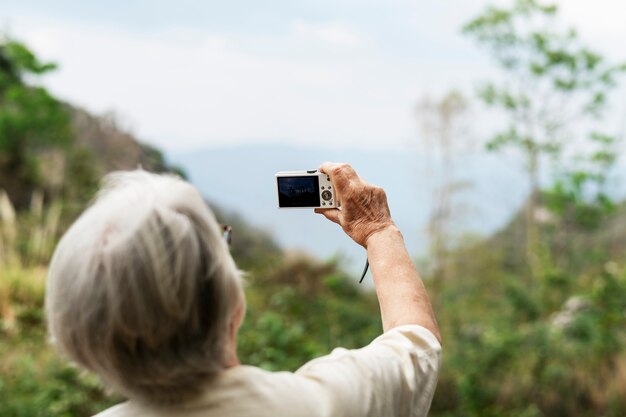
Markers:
point(305, 189)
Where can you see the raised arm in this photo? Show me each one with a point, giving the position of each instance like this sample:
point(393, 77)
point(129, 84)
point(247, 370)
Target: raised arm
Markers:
point(364, 215)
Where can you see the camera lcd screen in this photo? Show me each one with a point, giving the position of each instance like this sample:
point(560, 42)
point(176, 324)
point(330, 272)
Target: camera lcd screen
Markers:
point(299, 191)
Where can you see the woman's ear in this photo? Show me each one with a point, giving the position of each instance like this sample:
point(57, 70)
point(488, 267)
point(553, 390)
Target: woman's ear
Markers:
point(233, 327)
point(237, 317)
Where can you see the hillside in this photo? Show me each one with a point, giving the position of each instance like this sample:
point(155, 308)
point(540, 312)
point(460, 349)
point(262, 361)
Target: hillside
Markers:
point(574, 248)
point(116, 149)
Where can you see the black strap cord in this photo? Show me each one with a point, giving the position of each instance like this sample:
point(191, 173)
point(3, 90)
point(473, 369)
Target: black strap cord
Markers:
point(367, 265)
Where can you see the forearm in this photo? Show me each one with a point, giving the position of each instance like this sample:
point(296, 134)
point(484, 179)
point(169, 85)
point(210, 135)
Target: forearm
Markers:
point(401, 293)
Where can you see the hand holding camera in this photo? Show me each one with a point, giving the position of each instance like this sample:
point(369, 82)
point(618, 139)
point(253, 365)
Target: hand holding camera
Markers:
point(364, 210)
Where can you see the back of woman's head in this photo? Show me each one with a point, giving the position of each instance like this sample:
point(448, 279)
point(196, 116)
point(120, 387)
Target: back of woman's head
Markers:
point(142, 288)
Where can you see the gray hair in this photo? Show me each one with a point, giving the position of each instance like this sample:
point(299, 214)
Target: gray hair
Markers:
point(142, 288)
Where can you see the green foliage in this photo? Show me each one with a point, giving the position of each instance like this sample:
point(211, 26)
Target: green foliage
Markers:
point(553, 95)
point(300, 309)
point(552, 80)
point(34, 389)
point(17, 61)
point(548, 340)
point(535, 350)
point(49, 147)
point(31, 120)
point(578, 196)
point(33, 380)
point(81, 179)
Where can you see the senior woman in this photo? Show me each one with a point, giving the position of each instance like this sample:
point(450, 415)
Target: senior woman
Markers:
point(143, 292)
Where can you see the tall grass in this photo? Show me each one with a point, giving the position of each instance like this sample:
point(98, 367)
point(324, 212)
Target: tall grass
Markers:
point(34, 381)
point(8, 229)
point(28, 238)
point(26, 242)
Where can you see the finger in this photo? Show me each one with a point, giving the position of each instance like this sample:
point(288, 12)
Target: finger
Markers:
point(326, 167)
point(335, 168)
point(340, 174)
point(334, 215)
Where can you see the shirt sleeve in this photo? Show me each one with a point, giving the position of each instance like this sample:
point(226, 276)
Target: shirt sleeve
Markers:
point(395, 375)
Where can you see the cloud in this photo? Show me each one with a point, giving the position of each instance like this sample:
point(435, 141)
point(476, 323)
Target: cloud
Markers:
point(333, 32)
point(181, 86)
point(184, 89)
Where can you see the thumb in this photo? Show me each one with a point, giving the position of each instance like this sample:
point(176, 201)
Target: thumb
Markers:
point(334, 215)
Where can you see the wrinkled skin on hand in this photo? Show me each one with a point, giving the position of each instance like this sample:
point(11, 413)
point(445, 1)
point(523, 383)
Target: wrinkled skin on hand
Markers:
point(364, 210)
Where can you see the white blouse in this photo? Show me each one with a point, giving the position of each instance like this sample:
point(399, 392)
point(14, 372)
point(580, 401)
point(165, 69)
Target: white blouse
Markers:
point(395, 375)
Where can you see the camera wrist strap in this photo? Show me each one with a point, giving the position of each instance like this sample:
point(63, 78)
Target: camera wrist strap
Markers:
point(367, 265)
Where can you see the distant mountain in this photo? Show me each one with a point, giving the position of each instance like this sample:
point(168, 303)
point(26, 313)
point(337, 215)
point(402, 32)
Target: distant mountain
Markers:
point(241, 178)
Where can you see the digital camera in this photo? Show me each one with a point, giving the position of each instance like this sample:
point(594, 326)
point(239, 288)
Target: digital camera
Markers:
point(305, 189)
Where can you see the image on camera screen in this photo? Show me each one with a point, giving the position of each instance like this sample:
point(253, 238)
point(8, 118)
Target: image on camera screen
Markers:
point(298, 191)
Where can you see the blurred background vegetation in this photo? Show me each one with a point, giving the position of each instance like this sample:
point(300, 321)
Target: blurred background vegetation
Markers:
point(533, 317)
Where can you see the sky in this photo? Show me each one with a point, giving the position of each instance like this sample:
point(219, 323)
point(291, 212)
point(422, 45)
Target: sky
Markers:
point(189, 74)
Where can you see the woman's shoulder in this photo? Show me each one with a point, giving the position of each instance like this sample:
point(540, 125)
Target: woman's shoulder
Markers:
point(241, 390)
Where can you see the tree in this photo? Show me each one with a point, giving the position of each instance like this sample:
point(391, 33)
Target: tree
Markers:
point(442, 129)
point(31, 120)
point(553, 87)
